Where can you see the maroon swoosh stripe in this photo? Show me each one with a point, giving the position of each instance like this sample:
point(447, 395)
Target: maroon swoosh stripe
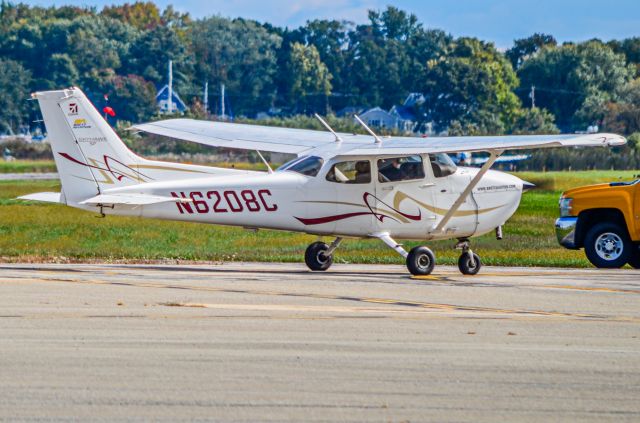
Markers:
point(327, 219)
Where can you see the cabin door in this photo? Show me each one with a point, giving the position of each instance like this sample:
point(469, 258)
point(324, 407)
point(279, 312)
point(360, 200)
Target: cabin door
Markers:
point(404, 197)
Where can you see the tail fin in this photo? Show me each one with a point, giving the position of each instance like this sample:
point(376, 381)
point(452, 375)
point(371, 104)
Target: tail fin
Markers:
point(89, 155)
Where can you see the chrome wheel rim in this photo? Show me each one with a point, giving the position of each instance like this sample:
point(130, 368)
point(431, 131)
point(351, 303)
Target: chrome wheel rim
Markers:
point(609, 246)
point(472, 262)
point(424, 261)
point(321, 257)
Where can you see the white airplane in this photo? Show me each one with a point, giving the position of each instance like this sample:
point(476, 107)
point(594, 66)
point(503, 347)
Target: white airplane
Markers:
point(340, 185)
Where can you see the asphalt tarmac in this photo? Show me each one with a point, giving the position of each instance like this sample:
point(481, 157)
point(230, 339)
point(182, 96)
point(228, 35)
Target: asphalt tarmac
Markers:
point(275, 342)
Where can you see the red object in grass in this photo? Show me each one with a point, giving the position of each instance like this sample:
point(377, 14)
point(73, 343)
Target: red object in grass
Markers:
point(109, 111)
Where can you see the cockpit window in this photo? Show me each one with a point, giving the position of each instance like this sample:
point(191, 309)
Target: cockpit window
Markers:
point(309, 165)
point(351, 172)
point(400, 169)
point(442, 165)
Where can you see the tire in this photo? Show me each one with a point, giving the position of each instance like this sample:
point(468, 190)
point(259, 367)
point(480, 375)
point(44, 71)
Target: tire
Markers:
point(634, 260)
point(315, 259)
point(607, 245)
point(421, 261)
point(464, 264)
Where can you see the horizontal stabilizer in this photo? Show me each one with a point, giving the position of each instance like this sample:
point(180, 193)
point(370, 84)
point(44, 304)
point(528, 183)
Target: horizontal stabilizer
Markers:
point(47, 197)
point(132, 199)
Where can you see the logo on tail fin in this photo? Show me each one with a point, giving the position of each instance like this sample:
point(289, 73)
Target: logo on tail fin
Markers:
point(81, 124)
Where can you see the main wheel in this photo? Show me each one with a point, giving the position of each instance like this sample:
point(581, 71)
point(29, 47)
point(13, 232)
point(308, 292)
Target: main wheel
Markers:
point(421, 261)
point(315, 258)
point(465, 266)
point(607, 245)
point(634, 260)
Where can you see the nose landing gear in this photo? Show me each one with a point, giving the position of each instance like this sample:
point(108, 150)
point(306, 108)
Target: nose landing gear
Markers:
point(469, 262)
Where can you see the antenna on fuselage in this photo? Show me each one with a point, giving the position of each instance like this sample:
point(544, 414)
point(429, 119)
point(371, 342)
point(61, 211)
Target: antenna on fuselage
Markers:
point(326, 125)
point(364, 125)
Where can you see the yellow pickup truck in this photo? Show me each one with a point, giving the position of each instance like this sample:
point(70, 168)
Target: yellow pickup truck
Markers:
point(603, 219)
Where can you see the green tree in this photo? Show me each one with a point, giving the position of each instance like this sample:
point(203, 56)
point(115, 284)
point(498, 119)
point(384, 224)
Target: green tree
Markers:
point(330, 38)
point(240, 54)
point(310, 79)
point(131, 97)
point(142, 15)
point(534, 121)
point(14, 86)
point(473, 86)
point(525, 47)
point(623, 116)
point(378, 59)
point(150, 53)
point(63, 72)
point(574, 81)
point(630, 47)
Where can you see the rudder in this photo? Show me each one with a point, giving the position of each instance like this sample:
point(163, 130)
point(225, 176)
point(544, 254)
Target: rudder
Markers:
point(89, 155)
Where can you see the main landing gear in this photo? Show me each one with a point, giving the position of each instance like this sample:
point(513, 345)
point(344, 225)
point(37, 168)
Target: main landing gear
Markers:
point(319, 256)
point(420, 260)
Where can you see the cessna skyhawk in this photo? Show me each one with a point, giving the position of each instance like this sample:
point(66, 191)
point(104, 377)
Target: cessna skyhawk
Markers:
point(339, 185)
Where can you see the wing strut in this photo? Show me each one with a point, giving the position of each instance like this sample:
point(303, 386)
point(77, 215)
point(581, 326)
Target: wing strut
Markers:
point(461, 199)
point(265, 162)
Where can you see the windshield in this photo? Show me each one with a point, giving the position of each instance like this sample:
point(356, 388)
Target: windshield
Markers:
point(442, 165)
point(307, 165)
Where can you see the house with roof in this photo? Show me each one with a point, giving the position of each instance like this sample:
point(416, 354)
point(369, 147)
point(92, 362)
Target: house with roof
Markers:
point(399, 117)
point(162, 101)
point(379, 118)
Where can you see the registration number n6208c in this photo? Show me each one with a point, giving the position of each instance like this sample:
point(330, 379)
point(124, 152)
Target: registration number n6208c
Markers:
point(225, 201)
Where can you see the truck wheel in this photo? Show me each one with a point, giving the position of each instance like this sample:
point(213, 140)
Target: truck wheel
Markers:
point(634, 260)
point(607, 245)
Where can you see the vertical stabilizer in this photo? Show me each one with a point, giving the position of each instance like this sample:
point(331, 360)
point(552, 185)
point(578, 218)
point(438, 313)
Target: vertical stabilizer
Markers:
point(89, 155)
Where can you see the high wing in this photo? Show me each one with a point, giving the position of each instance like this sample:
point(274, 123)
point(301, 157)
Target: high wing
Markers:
point(321, 143)
point(235, 135)
point(406, 145)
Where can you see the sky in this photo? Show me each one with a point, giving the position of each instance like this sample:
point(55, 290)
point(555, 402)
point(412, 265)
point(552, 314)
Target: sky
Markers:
point(500, 21)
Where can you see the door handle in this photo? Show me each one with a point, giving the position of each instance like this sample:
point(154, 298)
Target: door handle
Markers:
point(430, 184)
point(387, 188)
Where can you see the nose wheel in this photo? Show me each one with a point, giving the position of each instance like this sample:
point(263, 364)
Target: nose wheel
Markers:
point(469, 262)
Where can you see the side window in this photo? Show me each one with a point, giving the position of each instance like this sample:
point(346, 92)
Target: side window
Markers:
point(400, 169)
point(442, 165)
point(352, 172)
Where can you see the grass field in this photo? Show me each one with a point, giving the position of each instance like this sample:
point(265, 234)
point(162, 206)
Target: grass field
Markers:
point(27, 166)
point(31, 231)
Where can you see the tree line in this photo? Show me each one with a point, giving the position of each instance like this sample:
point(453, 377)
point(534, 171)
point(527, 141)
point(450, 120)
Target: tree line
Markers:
point(468, 85)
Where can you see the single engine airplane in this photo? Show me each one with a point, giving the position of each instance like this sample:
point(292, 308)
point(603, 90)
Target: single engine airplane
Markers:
point(339, 185)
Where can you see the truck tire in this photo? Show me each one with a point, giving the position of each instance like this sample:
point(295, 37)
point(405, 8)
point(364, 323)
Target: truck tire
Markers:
point(634, 260)
point(607, 245)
